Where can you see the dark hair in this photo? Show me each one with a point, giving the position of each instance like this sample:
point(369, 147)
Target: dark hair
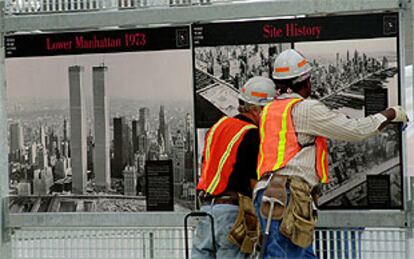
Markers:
point(284, 84)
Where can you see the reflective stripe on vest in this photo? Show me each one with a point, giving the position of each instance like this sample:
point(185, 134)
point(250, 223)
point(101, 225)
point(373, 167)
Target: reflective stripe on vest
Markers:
point(279, 143)
point(282, 135)
point(210, 138)
point(262, 138)
point(322, 158)
point(224, 158)
point(274, 150)
point(220, 152)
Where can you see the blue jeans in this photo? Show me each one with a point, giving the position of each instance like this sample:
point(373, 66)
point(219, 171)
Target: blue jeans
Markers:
point(224, 217)
point(277, 245)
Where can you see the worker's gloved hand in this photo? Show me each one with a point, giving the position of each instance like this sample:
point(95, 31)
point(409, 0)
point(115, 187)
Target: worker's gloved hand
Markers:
point(400, 115)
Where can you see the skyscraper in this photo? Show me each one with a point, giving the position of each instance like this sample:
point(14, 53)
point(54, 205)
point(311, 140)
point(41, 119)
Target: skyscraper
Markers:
point(189, 154)
point(189, 167)
point(154, 150)
point(130, 180)
point(135, 134)
point(144, 119)
point(356, 56)
point(42, 136)
point(32, 154)
point(52, 143)
point(65, 149)
point(188, 133)
point(143, 143)
point(140, 165)
point(16, 137)
point(77, 129)
point(121, 146)
point(337, 59)
point(42, 181)
point(65, 130)
point(161, 128)
point(90, 152)
point(179, 164)
point(41, 158)
point(100, 107)
point(385, 63)
point(61, 168)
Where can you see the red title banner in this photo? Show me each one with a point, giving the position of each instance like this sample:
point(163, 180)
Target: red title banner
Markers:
point(129, 40)
point(291, 30)
point(89, 42)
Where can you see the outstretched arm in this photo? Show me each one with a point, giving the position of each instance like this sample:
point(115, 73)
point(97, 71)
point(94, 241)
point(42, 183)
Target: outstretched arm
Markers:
point(322, 121)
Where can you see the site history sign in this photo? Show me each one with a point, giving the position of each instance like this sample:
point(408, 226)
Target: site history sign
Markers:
point(356, 71)
point(94, 116)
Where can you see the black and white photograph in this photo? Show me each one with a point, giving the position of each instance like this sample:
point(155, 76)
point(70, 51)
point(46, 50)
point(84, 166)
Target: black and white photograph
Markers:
point(86, 130)
point(353, 72)
point(344, 72)
point(221, 71)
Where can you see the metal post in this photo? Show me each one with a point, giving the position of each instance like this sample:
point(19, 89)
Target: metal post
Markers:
point(406, 56)
point(410, 203)
point(410, 232)
point(5, 248)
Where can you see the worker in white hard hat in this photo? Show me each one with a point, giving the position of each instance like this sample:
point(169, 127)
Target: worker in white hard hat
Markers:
point(293, 156)
point(228, 176)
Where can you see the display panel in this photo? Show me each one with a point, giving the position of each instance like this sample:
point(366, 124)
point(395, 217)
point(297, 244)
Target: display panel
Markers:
point(355, 62)
point(93, 116)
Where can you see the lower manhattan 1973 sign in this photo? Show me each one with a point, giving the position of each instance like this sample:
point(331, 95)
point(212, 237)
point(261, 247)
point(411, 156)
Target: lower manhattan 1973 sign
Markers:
point(93, 127)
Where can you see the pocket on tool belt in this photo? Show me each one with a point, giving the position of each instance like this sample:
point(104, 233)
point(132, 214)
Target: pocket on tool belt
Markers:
point(303, 206)
point(298, 222)
point(244, 231)
point(277, 190)
point(302, 231)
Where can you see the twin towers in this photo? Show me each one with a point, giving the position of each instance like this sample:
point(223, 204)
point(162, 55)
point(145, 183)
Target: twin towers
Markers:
point(78, 131)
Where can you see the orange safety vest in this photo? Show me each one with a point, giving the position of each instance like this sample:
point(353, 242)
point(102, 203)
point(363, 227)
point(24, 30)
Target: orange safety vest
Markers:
point(279, 142)
point(220, 151)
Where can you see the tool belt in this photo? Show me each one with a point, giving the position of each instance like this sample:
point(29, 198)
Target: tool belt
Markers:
point(296, 213)
point(244, 232)
point(225, 198)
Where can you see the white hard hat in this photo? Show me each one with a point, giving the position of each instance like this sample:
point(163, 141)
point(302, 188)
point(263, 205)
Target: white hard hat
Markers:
point(258, 90)
point(291, 64)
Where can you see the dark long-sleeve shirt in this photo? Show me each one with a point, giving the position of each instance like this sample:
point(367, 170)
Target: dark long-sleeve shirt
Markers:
point(245, 167)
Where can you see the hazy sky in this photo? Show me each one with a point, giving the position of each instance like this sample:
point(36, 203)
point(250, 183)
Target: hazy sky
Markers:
point(314, 49)
point(160, 75)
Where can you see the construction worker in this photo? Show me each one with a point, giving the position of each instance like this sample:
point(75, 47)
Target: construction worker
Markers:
point(228, 176)
point(293, 156)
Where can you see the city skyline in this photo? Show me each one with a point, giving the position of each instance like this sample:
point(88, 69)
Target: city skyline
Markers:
point(98, 144)
point(322, 49)
point(342, 71)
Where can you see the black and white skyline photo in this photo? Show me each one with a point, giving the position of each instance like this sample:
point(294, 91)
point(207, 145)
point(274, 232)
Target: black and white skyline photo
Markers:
point(343, 71)
point(221, 71)
point(104, 115)
point(355, 76)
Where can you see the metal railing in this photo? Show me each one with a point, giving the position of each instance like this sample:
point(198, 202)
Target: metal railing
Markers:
point(168, 242)
point(82, 243)
point(58, 6)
